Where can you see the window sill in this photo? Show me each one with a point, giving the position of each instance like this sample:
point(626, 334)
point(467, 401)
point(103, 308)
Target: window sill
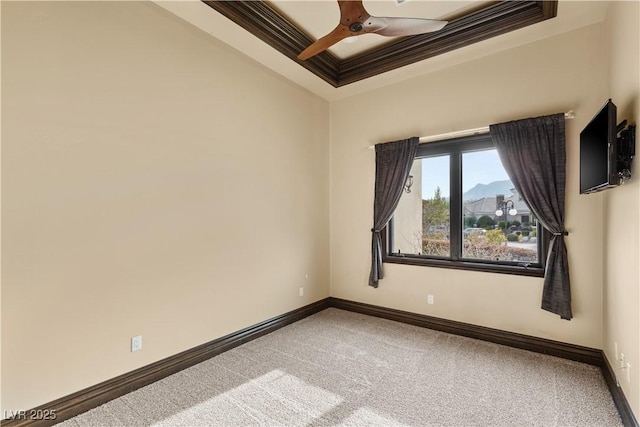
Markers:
point(533, 271)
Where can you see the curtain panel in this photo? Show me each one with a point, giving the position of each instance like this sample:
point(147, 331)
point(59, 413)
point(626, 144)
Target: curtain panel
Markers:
point(393, 163)
point(533, 153)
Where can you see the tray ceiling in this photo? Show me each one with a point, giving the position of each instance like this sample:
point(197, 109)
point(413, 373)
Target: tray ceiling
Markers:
point(273, 33)
point(469, 22)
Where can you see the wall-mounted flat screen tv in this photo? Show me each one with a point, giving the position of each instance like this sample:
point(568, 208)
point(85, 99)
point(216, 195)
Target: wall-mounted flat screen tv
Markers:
point(598, 153)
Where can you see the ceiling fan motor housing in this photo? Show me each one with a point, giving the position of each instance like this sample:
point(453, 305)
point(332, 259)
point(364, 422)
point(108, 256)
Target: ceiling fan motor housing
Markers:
point(356, 27)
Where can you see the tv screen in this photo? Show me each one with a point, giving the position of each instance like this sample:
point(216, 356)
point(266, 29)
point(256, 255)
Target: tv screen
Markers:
point(598, 155)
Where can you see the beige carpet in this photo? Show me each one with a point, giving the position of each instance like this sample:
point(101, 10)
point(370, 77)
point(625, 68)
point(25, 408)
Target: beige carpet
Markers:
point(342, 368)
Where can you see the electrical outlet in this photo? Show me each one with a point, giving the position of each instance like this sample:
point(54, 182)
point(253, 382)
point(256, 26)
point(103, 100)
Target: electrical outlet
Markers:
point(136, 343)
point(430, 299)
point(301, 292)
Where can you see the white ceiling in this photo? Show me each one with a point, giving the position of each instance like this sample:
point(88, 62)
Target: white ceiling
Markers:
point(320, 17)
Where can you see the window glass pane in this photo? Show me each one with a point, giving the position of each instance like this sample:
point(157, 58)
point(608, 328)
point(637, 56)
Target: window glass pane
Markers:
point(497, 224)
point(421, 220)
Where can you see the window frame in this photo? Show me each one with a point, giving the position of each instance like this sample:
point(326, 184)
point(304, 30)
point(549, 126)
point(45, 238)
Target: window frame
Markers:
point(455, 148)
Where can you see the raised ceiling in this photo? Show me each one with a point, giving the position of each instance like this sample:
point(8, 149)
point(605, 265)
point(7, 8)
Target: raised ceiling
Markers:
point(485, 20)
point(275, 32)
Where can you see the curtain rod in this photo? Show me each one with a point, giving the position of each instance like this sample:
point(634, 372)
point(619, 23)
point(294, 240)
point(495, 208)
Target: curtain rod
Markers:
point(477, 131)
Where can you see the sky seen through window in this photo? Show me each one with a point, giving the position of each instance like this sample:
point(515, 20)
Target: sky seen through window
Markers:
point(480, 167)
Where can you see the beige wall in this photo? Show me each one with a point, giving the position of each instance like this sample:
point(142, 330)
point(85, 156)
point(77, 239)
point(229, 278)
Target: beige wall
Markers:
point(154, 183)
point(562, 73)
point(622, 206)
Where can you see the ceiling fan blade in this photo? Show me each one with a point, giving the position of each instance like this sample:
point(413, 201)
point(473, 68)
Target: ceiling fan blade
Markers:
point(352, 11)
point(402, 26)
point(322, 44)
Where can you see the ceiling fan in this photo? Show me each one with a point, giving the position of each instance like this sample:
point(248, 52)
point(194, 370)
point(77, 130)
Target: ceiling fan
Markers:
point(355, 20)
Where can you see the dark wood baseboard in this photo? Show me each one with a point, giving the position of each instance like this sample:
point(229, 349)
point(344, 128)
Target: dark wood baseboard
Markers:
point(620, 400)
point(92, 397)
point(588, 355)
point(89, 398)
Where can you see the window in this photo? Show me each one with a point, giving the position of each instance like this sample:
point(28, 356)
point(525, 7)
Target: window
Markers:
point(462, 211)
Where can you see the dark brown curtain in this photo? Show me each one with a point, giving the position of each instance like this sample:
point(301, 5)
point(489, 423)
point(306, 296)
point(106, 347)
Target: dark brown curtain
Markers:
point(393, 163)
point(532, 152)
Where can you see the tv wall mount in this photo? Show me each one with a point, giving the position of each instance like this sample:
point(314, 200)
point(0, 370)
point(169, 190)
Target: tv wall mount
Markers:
point(626, 136)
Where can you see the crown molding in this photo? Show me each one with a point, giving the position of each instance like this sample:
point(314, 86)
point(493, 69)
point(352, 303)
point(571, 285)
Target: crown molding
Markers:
point(495, 19)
